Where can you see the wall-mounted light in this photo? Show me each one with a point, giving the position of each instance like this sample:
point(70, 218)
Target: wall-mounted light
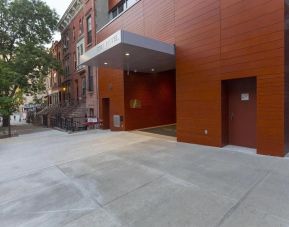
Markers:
point(153, 69)
point(64, 89)
point(105, 63)
point(127, 54)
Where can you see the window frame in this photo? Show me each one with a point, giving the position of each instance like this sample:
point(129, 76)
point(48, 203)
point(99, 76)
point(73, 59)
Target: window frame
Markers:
point(90, 86)
point(89, 29)
point(83, 87)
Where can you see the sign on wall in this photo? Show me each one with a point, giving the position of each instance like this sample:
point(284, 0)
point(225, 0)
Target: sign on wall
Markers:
point(103, 46)
point(135, 104)
point(245, 97)
point(92, 120)
point(117, 121)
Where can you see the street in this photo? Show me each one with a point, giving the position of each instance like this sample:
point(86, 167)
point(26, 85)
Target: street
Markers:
point(102, 178)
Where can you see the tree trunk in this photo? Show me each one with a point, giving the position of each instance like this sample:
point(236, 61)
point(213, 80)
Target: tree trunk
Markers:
point(6, 121)
point(9, 127)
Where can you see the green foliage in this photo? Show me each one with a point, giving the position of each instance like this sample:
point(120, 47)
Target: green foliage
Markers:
point(25, 27)
point(9, 105)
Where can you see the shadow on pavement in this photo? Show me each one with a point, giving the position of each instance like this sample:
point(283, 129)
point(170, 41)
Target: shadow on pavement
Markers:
point(21, 129)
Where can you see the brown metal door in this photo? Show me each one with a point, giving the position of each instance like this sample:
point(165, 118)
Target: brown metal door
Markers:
point(242, 112)
point(77, 90)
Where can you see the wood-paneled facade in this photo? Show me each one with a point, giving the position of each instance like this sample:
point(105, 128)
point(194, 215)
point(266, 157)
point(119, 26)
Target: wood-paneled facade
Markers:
point(216, 40)
point(120, 88)
point(220, 40)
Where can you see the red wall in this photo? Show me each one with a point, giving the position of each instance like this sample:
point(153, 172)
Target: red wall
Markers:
point(111, 85)
point(157, 95)
point(227, 39)
point(216, 40)
point(149, 18)
point(112, 3)
point(139, 19)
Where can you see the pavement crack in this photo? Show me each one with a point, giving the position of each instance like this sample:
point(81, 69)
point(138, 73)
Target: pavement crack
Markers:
point(135, 189)
point(237, 205)
point(80, 187)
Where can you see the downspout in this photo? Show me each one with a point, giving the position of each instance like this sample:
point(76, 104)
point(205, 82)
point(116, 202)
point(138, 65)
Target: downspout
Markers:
point(96, 76)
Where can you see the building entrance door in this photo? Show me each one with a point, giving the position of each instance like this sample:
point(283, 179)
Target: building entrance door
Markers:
point(77, 90)
point(239, 112)
point(106, 113)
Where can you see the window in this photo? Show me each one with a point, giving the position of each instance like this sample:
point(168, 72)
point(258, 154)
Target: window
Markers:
point(81, 49)
point(79, 52)
point(90, 79)
point(78, 55)
point(75, 60)
point(66, 67)
point(91, 112)
point(129, 3)
point(89, 30)
point(114, 13)
point(54, 79)
point(73, 33)
point(80, 26)
point(121, 7)
point(83, 87)
point(66, 42)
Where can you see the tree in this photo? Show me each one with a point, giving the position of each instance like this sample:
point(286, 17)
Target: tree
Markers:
point(25, 27)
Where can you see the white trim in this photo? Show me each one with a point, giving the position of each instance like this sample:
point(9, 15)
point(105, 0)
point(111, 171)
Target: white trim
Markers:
point(70, 13)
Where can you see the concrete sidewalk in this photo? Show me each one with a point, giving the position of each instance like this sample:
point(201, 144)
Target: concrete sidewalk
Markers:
point(100, 178)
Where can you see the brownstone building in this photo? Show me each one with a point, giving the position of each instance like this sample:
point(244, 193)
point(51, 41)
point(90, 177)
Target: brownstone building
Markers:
point(77, 29)
point(54, 79)
point(215, 68)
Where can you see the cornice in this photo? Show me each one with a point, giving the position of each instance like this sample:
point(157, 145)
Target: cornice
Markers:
point(72, 10)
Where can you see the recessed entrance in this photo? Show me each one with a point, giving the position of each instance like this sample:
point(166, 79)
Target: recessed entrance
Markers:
point(77, 90)
point(165, 130)
point(239, 112)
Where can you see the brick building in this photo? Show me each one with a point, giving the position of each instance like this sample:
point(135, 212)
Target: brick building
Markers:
point(215, 68)
point(54, 79)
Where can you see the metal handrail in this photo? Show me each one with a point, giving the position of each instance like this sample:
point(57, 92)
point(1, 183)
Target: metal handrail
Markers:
point(68, 124)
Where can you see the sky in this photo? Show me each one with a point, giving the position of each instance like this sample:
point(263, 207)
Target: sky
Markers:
point(60, 6)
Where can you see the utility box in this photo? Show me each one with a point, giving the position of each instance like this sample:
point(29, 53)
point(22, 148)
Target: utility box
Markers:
point(117, 121)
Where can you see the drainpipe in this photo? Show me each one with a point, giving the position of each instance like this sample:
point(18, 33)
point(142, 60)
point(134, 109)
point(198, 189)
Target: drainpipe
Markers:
point(97, 92)
point(95, 43)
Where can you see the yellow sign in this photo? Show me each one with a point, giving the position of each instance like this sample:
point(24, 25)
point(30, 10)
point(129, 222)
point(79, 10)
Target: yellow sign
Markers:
point(135, 104)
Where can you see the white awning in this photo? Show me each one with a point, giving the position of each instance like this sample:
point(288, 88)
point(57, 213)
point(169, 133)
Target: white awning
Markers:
point(131, 52)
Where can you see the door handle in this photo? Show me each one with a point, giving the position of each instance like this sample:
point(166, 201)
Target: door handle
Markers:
point(232, 116)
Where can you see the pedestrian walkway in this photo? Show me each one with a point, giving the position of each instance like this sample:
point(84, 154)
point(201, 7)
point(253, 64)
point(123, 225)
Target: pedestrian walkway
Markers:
point(103, 178)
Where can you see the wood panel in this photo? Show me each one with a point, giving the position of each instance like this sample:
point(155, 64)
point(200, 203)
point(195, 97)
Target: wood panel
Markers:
point(157, 95)
point(223, 39)
point(150, 18)
point(216, 40)
point(286, 103)
point(113, 3)
point(198, 64)
point(111, 86)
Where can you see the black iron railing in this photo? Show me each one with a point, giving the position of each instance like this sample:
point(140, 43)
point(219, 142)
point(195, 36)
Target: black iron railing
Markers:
point(68, 124)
